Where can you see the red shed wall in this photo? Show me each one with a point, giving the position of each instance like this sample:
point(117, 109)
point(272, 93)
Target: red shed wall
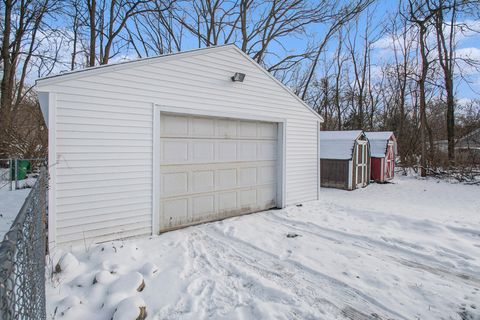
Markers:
point(376, 169)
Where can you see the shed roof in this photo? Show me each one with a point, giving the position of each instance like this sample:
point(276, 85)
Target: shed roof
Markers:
point(378, 142)
point(338, 145)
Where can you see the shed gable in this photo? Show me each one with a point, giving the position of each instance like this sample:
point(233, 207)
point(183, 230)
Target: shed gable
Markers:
point(379, 142)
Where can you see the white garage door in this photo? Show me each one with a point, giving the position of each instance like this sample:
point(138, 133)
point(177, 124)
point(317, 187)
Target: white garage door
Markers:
point(212, 168)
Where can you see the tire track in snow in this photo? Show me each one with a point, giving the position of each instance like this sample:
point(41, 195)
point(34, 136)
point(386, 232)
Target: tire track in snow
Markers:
point(298, 297)
point(211, 261)
point(440, 268)
point(311, 285)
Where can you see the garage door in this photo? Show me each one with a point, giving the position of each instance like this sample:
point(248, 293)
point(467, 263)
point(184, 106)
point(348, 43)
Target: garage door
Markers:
point(213, 168)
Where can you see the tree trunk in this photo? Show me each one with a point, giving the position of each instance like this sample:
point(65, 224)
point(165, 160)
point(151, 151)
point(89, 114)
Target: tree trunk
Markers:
point(445, 55)
point(423, 114)
point(75, 38)
point(92, 8)
point(7, 81)
point(450, 121)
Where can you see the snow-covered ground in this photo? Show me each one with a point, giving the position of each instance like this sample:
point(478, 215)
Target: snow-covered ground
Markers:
point(408, 250)
point(10, 204)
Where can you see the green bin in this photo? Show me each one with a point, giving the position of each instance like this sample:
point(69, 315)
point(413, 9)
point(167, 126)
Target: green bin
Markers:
point(23, 167)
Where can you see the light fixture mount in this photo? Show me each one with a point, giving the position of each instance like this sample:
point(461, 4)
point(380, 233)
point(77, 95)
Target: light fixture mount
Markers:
point(238, 77)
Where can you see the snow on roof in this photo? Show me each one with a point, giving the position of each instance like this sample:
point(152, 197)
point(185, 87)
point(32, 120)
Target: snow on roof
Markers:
point(338, 144)
point(379, 135)
point(378, 143)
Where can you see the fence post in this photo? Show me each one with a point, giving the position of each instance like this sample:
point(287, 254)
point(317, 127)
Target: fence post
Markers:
point(10, 175)
point(16, 174)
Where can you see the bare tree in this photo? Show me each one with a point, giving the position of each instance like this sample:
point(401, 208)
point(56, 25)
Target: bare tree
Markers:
point(446, 29)
point(335, 14)
point(22, 35)
point(340, 60)
point(360, 59)
point(108, 20)
point(446, 59)
point(74, 11)
point(420, 15)
point(256, 26)
point(92, 20)
point(157, 31)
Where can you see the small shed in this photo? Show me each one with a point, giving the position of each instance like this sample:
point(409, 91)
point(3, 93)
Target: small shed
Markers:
point(383, 149)
point(160, 143)
point(344, 159)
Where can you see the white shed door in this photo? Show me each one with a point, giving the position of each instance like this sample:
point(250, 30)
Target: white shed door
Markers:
point(213, 168)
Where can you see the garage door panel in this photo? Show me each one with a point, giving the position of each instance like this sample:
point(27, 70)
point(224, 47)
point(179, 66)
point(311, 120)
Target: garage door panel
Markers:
point(175, 212)
point(267, 130)
point(267, 150)
point(226, 128)
point(174, 184)
point(227, 151)
point(207, 127)
point(203, 181)
point(247, 151)
point(203, 127)
point(185, 151)
point(203, 205)
point(267, 174)
point(226, 178)
point(184, 179)
point(173, 126)
point(247, 176)
point(174, 151)
point(247, 129)
point(227, 201)
point(212, 168)
point(266, 195)
point(248, 198)
point(202, 151)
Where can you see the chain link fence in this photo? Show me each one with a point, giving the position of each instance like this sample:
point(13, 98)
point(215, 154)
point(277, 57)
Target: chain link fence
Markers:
point(22, 258)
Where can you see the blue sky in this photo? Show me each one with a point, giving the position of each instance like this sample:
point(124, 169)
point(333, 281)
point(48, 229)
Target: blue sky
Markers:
point(379, 12)
point(467, 45)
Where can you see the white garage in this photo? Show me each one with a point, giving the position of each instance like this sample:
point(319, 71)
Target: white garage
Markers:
point(152, 145)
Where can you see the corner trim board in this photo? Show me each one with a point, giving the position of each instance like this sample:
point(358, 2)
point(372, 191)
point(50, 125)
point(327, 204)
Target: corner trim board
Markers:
point(52, 170)
point(156, 171)
point(350, 175)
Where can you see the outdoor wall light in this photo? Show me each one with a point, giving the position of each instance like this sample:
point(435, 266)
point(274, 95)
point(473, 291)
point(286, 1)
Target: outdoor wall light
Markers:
point(238, 77)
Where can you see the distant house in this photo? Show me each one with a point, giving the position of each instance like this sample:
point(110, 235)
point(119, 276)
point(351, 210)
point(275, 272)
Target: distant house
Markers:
point(470, 141)
point(147, 146)
point(344, 159)
point(383, 149)
point(441, 145)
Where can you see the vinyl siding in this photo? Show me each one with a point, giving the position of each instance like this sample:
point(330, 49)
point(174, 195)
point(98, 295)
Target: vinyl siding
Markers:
point(104, 135)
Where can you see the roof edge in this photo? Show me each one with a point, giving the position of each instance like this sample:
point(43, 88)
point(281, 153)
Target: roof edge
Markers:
point(284, 87)
point(52, 79)
point(360, 134)
point(391, 134)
